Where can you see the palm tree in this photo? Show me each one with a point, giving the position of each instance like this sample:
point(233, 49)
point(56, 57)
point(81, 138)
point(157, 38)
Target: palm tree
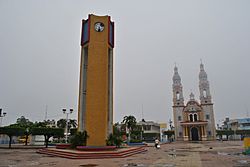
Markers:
point(130, 122)
point(72, 123)
point(61, 123)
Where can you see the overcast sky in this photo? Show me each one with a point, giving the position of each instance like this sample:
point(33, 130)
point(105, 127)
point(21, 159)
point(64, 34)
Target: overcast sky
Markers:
point(40, 55)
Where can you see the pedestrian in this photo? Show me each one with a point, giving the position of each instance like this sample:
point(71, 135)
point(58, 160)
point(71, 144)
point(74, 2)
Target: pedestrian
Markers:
point(157, 143)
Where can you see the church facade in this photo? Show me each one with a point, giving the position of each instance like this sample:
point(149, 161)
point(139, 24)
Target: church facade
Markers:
point(193, 121)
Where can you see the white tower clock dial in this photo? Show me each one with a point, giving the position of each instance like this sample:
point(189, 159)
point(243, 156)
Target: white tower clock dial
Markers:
point(99, 27)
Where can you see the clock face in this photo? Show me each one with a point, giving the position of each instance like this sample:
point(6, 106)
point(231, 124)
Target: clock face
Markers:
point(99, 27)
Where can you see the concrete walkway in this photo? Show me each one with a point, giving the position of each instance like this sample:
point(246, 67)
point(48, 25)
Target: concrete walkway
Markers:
point(177, 154)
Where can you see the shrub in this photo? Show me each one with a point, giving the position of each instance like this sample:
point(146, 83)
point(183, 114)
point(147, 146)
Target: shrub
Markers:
point(114, 140)
point(79, 139)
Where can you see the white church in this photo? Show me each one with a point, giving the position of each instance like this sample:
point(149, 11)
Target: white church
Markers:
point(194, 120)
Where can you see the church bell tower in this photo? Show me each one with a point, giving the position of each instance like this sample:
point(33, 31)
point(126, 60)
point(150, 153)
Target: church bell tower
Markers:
point(206, 103)
point(95, 107)
point(178, 104)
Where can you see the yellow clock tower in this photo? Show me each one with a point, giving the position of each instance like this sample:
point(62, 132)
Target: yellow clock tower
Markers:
point(95, 107)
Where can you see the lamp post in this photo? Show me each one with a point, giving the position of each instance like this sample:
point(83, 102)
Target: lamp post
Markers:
point(2, 114)
point(170, 124)
point(67, 120)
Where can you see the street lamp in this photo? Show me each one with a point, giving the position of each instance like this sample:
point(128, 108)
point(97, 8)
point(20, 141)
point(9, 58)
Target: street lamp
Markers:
point(170, 124)
point(67, 118)
point(2, 114)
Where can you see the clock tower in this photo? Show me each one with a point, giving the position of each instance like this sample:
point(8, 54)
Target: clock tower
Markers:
point(95, 107)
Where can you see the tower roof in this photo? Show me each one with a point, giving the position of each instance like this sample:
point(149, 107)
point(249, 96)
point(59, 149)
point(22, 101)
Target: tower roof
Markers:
point(176, 77)
point(202, 74)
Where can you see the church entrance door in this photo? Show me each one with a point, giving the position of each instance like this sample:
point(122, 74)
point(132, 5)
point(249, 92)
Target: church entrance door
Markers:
point(195, 135)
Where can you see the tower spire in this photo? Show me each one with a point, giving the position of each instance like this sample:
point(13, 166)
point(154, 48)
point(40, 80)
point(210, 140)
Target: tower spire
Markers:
point(177, 88)
point(205, 96)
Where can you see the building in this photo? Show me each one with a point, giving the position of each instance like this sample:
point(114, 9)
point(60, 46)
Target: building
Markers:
point(193, 120)
point(95, 107)
point(151, 130)
point(225, 125)
point(50, 123)
point(239, 124)
point(143, 130)
point(235, 125)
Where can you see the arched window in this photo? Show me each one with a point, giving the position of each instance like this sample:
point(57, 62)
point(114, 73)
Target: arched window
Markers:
point(205, 93)
point(195, 117)
point(177, 95)
point(191, 118)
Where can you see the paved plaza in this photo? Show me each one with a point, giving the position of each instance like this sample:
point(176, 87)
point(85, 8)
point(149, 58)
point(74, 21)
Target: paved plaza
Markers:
point(177, 154)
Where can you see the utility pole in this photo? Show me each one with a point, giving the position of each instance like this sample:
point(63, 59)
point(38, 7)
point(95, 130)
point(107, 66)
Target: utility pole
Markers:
point(46, 113)
point(67, 120)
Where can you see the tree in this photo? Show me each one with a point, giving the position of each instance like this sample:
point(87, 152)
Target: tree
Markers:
point(130, 122)
point(48, 132)
point(61, 123)
point(72, 123)
point(243, 133)
point(115, 139)
point(12, 131)
point(40, 124)
point(23, 122)
point(50, 123)
point(224, 132)
point(136, 134)
point(26, 133)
